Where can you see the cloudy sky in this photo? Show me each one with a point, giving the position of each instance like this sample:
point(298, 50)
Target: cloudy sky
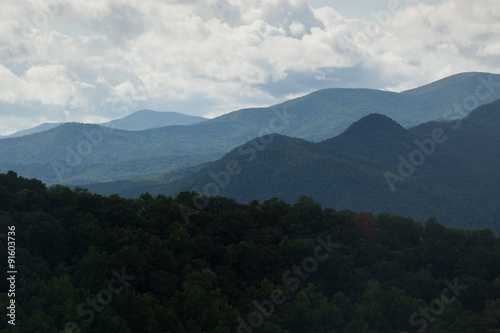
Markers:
point(97, 60)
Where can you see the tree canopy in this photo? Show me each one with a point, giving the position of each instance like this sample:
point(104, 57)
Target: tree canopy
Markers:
point(90, 263)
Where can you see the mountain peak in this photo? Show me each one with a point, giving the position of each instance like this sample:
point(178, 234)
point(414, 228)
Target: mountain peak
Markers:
point(454, 84)
point(371, 133)
point(147, 119)
point(374, 125)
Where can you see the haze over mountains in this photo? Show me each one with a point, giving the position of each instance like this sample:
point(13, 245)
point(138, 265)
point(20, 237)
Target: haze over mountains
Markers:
point(361, 143)
point(66, 154)
point(137, 121)
point(147, 119)
point(339, 108)
point(37, 129)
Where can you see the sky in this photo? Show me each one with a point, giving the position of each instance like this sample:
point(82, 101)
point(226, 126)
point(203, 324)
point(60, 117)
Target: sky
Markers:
point(97, 60)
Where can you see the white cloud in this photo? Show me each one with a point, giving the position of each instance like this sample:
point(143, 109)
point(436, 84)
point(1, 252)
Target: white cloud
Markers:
point(80, 59)
point(49, 85)
point(10, 86)
point(297, 29)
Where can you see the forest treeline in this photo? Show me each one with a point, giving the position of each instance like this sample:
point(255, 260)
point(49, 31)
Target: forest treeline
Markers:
point(91, 263)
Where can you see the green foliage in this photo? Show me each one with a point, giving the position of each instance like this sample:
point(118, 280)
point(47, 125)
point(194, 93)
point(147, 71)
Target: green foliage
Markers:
point(227, 266)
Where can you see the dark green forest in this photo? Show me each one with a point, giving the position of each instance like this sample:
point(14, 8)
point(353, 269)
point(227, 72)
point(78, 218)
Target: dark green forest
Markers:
point(92, 263)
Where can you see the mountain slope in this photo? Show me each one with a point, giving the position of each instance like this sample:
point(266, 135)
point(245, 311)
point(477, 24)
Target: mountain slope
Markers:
point(37, 129)
point(87, 173)
point(486, 115)
point(77, 149)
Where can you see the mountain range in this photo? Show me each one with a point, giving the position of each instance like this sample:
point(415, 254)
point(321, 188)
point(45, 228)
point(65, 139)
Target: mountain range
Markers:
point(449, 170)
point(137, 121)
point(67, 155)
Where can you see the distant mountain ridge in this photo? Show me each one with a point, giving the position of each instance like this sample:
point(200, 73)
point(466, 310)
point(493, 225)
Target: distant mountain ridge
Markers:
point(328, 112)
point(137, 121)
point(37, 129)
point(148, 119)
point(315, 117)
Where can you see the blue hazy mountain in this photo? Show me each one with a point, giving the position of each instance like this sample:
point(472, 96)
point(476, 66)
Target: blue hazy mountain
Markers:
point(315, 117)
point(37, 129)
point(147, 119)
point(137, 121)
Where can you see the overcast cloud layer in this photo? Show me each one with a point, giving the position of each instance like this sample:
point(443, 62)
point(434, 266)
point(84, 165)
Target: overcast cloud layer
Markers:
point(96, 60)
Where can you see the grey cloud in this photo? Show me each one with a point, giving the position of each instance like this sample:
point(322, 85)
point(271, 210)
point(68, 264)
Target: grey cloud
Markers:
point(216, 56)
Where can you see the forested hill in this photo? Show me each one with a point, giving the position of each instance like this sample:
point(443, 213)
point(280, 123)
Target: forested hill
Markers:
point(90, 263)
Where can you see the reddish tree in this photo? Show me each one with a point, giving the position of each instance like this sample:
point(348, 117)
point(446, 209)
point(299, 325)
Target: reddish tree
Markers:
point(364, 224)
